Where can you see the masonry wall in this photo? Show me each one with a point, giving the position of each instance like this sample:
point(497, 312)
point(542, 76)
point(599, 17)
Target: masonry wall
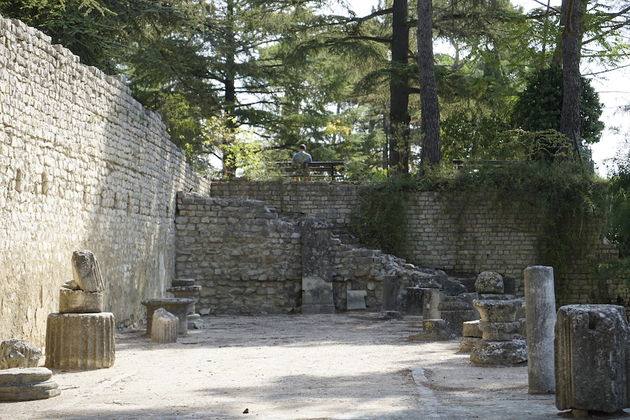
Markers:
point(246, 258)
point(467, 233)
point(82, 166)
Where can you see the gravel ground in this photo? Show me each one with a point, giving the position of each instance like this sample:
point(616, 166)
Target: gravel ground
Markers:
point(291, 367)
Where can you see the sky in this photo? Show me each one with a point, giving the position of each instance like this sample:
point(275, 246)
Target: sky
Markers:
point(613, 89)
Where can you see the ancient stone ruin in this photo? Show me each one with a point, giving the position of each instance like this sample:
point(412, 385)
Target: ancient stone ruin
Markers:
point(80, 336)
point(592, 359)
point(187, 289)
point(16, 353)
point(180, 307)
point(25, 384)
point(501, 342)
point(164, 326)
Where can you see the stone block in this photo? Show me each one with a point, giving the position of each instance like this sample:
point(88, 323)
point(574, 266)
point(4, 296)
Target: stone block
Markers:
point(16, 353)
point(497, 310)
point(435, 329)
point(471, 329)
point(180, 307)
point(356, 300)
point(499, 352)
point(16, 376)
point(183, 282)
point(86, 272)
point(80, 341)
point(164, 326)
point(500, 331)
point(489, 282)
point(455, 320)
point(317, 296)
point(592, 358)
point(79, 301)
point(466, 344)
point(431, 299)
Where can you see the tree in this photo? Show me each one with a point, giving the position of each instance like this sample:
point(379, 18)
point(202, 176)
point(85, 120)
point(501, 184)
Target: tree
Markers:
point(430, 110)
point(571, 22)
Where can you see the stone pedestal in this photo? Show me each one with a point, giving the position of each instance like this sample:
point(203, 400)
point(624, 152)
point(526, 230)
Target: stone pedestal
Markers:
point(80, 341)
point(186, 292)
point(431, 298)
point(164, 327)
point(177, 306)
point(27, 384)
point(501, 343)
point(455, 310)
point(471, 336)
point(540, 312)
point(592, 358)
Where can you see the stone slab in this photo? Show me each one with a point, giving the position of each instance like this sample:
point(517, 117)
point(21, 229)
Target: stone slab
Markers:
point(499, 353)
point(79, 301)
point(356, 300)
point(317, 296)
point(471, 329)
point(24, 375)
point(29, 392)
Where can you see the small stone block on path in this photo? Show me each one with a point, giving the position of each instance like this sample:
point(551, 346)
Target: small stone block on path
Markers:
point(164, 328)
point(356, 300)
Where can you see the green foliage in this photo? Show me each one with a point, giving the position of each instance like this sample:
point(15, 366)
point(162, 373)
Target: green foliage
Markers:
point(619, 222)
point(570, 205)
point(538, 106)
point(380, 220)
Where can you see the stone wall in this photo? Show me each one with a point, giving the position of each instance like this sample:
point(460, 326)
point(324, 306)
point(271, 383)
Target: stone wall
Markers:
point(466, 234)
point(82, 166)
point(249, 258)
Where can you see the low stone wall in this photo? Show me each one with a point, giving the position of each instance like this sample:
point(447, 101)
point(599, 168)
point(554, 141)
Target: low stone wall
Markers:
point(82, 166)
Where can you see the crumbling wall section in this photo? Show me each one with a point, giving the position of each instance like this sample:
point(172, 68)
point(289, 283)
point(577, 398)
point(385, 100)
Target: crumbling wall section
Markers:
point(82, 166)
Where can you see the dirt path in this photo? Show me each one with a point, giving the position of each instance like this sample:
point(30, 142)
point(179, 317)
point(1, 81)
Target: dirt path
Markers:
point(290, 367)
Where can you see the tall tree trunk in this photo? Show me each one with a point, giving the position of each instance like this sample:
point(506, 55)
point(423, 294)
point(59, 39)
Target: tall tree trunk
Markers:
point(429, 106)
point(571, 21)
point(229, 164)
point(399, 148)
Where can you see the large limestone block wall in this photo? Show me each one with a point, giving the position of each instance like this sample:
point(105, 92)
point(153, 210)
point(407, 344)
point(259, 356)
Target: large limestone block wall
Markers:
point(82, 166)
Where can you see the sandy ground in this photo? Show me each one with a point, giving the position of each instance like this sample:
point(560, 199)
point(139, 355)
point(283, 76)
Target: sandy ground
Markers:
point(291, 367)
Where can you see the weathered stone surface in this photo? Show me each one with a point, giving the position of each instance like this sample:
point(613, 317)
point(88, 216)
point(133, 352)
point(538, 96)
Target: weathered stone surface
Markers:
point(489, 282)
point(179, 307)
point(413, 303)
point(29, 392)
point(499, 352)
point(495, 296)
point(452, 287)
point(79, 301)
point(356, 300)
point(183, 282)
point(391, 290)
point(317, 266)
point(431, 299)
point(86, 272)
point(16, 376)
point(466, 344)
point(454, 303)
point(500, 331)
point(16, 353)
point(164, 326)
point(471, 329)
point(497, 310)
point(80, 341)
point(435, 329)
point(541, 313)
point(455, 320)
point(592, 358)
